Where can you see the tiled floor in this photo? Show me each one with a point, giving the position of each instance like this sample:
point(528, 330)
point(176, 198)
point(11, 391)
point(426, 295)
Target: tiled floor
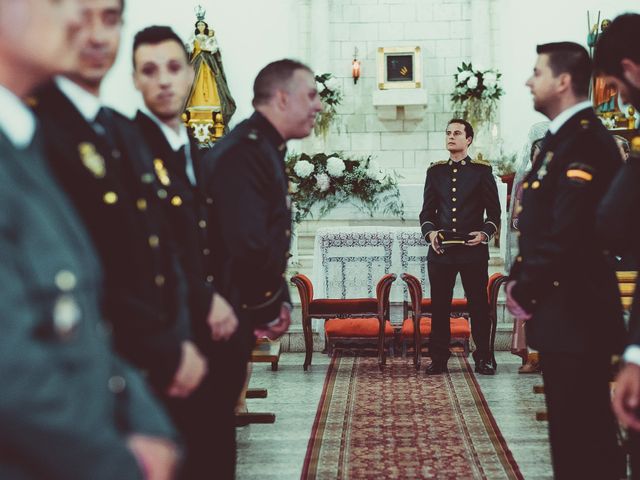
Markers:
point(277, 451)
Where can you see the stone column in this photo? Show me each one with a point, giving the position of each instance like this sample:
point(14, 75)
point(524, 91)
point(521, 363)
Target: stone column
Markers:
point(482, 57)
point(320, 33)
point(481, 48)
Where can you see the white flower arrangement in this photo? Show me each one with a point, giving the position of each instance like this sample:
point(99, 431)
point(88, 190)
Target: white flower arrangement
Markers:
point(303, 168)
point(323, 182)
point(331, 98)
point(335, 167)
point(476, 94)
point(338, 179)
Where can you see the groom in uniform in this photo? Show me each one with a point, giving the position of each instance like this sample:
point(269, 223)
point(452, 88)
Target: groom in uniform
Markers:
point(457, 193)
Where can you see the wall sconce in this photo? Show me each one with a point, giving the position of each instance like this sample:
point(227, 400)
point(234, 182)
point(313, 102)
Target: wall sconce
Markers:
point(355, 67)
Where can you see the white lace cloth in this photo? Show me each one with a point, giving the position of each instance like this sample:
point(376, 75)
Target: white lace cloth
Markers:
point(349, 261)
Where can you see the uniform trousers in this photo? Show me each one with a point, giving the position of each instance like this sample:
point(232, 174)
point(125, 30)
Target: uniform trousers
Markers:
point(442, 279)
point(582, 430)
point(206, 419)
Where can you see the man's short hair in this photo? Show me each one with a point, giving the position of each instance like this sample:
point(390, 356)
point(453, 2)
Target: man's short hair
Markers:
point(274, 76)
point(154, 35)
point(618, 41)
point(571, 58)
point(468, 129)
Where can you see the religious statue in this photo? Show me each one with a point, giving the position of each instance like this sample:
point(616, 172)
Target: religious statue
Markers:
point(210, 91)
point(605, 97)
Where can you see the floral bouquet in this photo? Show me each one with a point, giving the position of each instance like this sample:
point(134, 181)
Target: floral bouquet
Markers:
point(331, 97)
point(328, 180)
point(476, 94)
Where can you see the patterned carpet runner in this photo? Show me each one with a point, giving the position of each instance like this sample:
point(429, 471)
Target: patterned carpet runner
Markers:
point(401, 424)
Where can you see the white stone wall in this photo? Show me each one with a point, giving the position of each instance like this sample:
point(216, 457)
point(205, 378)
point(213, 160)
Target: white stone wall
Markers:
point(442, 28)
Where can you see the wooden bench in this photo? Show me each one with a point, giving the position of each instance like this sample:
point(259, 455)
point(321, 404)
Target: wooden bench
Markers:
point(265, 351)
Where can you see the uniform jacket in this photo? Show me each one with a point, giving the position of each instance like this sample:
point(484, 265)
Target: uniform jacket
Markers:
point(186, 206)
point(617, 228)
point(245, 181)
point(564, 274)
point(456, 197)
point(112, 184)
point(67, 402)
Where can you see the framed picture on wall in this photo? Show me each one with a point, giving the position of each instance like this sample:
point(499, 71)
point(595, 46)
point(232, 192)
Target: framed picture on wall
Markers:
point(399, 67)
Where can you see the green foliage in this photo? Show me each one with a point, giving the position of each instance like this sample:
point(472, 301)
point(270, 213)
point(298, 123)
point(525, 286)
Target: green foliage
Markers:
point(328, 185)
point(505, 164)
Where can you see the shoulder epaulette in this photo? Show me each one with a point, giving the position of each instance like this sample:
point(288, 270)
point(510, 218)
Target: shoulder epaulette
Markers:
point(441, 162)
point(481, 162)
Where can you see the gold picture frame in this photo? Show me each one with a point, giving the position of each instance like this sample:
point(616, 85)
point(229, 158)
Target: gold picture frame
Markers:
point(399, 67)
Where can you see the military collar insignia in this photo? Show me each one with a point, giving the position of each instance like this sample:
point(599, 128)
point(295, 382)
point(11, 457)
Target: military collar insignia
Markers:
point(252, 135)
point(584, 123)
point(451, 162)
point(92, 160)
point(161, 172)
point(31, 101)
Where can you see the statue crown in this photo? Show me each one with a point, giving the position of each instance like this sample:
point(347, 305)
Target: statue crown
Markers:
point(200, 13)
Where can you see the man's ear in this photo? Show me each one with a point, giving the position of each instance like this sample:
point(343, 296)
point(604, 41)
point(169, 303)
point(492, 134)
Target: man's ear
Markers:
point(631, 71)
point(564, 82)
point(281, 99)
point(135, 79)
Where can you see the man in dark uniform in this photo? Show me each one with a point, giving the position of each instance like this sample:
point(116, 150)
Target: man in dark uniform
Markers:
point(457, 193)
point(163, 76)
point(617, 57)
point(246, 185)
point(563, 281)
point(119, 192)
point(69, 408)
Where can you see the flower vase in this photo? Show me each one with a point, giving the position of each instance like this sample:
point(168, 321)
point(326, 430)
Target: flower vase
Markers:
point(482, 141)
point(294, 260)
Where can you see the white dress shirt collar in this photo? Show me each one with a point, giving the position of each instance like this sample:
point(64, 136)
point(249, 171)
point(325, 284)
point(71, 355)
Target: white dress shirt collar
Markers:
point(564, 116)
point(17, 122)
point(87, 104)
point(176, 140)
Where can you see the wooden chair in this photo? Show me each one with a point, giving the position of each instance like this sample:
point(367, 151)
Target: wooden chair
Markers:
point(627, 286)
point(351, 321)
point(420, 308)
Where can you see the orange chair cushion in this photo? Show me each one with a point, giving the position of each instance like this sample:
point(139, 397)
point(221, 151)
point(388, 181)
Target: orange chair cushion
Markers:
point(456, 303)
point(459, 327)
point(340, 305)
point(356, 327)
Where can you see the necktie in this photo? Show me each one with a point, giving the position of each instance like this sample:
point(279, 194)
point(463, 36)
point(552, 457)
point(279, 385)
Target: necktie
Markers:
point(186, 163)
